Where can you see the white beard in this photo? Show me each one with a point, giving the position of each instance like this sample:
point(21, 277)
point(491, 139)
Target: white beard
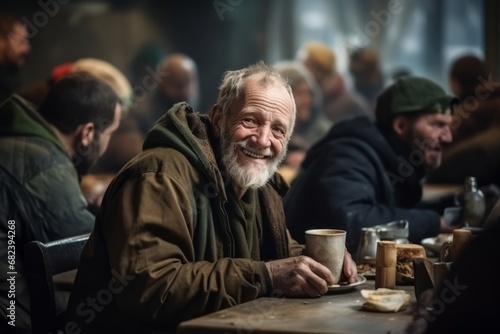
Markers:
point(248, 175)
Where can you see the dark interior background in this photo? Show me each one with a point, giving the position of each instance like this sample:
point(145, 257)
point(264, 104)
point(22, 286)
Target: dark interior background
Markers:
point(228, 34)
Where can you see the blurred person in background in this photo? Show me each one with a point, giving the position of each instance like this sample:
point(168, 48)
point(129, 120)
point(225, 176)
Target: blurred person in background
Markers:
point(340, 103)
point(177, 82)
point(43, 154)
point(125, 142)
point(14, 47)
point(475, 150)
point(365, 173)
point(329, 91)
point(311, 124)
point(364, 67)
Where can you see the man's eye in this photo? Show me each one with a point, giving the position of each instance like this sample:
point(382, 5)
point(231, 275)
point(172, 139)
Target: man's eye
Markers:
point(249, 120)
point(279, 131)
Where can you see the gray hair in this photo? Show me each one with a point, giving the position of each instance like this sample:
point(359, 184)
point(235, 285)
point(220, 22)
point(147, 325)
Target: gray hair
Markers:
point(233, 84)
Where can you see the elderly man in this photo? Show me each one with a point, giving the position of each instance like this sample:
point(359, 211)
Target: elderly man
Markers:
point(365, 173)
point(195, 223)
point(42, 155)
point(14, 47)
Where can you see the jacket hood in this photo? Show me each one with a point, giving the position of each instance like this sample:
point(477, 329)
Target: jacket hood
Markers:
point(18, 117)
point(189, 132)
point(185, 130)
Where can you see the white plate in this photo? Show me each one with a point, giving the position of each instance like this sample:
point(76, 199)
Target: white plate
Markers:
point(360, 279)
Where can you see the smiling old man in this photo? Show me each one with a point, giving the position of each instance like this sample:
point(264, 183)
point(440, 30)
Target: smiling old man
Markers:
point(195, 222)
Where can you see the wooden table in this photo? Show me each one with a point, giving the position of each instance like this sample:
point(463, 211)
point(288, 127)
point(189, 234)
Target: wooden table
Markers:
point(339, 312)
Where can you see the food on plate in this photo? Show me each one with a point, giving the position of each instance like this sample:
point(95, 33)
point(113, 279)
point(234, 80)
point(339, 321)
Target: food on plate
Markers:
point(366, 269)
point(385, 300)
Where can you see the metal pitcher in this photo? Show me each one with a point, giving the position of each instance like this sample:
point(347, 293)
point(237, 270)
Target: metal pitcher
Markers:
point(396, 231)
point(367, 249)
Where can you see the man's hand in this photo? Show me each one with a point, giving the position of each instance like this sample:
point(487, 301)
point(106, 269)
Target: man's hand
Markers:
point(350, 271)
point(302, 276)
point(299, 276)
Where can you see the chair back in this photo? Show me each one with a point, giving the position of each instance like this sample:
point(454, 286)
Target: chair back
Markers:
point(42, 261)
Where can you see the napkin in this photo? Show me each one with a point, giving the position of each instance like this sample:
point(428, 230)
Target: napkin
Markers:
point(385, 300)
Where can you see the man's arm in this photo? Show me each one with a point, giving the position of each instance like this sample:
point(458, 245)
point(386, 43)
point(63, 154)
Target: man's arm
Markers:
point(149, 223)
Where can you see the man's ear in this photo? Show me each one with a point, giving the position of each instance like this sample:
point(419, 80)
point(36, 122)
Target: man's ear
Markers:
point(86, 133)
point(216, 118)
point(400, 125)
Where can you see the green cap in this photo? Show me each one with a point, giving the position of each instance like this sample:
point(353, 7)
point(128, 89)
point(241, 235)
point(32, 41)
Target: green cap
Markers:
point(411, 95)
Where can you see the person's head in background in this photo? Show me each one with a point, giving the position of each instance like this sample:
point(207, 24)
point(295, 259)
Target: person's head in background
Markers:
point(179, 80)
point(364, 66)
point(83, 111)
point(319, 59)
point(14, 42)
point(465, 75)
point(108, 73)
point(419, 113)
point(148, 57)
point(98, 68)
point(300, 80)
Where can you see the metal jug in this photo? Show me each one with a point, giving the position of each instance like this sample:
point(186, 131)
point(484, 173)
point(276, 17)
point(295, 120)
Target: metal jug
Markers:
point(396, 231)
point(367, 249)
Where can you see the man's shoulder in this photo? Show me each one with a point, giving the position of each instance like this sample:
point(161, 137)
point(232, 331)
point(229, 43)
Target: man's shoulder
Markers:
point(156, 166)
point(30, 155)
point(158, 159)
point(161, 160)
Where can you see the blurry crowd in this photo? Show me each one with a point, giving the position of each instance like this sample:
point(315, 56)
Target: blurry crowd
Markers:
point(362, 146)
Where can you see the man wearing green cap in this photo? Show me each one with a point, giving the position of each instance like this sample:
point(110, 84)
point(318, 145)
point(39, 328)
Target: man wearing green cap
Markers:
point(364, 173)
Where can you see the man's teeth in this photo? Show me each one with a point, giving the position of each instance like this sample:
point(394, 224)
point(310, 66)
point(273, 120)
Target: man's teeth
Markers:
point(254, 155)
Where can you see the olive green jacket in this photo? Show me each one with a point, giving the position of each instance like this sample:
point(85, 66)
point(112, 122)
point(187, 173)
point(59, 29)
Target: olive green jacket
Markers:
point(163, 248)
point(40, 199)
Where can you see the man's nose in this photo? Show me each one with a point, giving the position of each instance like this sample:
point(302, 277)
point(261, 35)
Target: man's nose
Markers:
point(262, 137)
point(446, 136)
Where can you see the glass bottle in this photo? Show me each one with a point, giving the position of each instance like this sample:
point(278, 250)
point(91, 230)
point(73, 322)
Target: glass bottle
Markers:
point(474, 203)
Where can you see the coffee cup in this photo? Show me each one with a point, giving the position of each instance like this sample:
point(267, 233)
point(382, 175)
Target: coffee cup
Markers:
point(327, 247)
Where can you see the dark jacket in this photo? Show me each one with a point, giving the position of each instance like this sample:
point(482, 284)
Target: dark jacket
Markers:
point(356, 177)
point(39, 191)
point(166, 246)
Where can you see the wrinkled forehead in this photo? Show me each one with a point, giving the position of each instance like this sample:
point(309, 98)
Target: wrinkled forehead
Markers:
point(272, 87)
